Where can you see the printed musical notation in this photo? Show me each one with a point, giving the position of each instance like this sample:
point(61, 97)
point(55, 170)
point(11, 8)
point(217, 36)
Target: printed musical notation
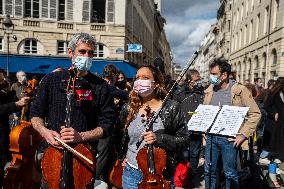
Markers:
point(203, 117)
point(228, 121)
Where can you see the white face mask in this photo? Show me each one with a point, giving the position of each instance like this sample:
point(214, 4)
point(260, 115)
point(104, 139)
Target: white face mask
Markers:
point(22, 78)
point(143, 87)
point(83, 63)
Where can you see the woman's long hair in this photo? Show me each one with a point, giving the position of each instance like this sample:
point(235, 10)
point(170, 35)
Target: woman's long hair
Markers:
point(135, 101)
point(278, 87)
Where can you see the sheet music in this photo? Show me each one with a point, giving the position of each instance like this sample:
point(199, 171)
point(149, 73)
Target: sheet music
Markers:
point(229, 120)
point(203, 118)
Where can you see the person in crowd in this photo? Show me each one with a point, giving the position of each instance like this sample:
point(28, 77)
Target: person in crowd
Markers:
point(275, 144)
point(263, 121)
point(247, 81)
point(223, 91)
point(194, 95)
point(58, 69)
point(8, 105)
point(169, 130)
point(270, 85)
point(233, 76)
point(275, 108)
point(92, 113)
point(267, 134)
point(20, 86)
point(122, 83)
point(259, 86)
point(105, 146)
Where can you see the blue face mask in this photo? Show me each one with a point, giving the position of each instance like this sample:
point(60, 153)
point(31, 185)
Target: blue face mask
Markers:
point(214, 80)
point(83, 63)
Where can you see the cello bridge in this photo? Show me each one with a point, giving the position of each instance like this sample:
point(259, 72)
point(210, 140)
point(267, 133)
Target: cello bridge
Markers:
point(151, 181)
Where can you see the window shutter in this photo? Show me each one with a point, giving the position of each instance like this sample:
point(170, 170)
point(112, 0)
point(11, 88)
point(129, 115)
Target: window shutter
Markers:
point(110, 10)
point(44, 9)
point(86, 11)
point(52, 9)
point(69, 9)
point(19, 8)
point(9, 7)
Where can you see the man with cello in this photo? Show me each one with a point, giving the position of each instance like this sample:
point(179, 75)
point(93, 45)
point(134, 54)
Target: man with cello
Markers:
point(91, 116)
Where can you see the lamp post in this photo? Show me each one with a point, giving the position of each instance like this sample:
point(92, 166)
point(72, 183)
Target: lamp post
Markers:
point(8, 28)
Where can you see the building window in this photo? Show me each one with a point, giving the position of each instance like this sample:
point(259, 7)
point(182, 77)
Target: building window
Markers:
point(256, 62)
point(265, 22)
point(236, 41)
point(30, 46)
point(238, 14)
point(110, 10)
point(61, 10)
point(264, 60)
point(62, 47)
point(229, 25)
point(240, 39)
point(98, 11)
point(1, 43)
point(274, 57)
point(99, 52)
point(245, 35)
point(49, 9)
point(247, 7)
point(250, 30)
point(1, 6)
point(252, 5)
point(276, 9)
point(242, 11)
point(32, 8)
point(257, 25)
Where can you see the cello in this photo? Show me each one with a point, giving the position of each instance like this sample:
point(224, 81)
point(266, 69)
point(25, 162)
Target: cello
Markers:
point(22, 172)
point(152, 169)
point(61, 168)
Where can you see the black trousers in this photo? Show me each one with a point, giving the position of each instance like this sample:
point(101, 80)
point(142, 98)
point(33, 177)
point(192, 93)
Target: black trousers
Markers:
point(104, 158)
point(4, 153)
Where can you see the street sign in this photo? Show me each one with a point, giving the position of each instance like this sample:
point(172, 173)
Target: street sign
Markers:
point(119, 51)
point(134, 48)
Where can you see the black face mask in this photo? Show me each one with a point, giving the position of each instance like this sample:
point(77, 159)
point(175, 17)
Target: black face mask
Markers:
point(121, 84)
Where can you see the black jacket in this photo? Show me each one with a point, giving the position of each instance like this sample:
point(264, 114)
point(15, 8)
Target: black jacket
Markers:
point(174, 138)
point(86, 114)
point(7, 106)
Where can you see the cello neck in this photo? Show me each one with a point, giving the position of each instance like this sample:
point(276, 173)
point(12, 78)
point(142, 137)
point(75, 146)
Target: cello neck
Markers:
point(66, 179)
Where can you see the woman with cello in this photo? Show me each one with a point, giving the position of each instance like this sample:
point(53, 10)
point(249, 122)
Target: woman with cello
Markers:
point(169, 132)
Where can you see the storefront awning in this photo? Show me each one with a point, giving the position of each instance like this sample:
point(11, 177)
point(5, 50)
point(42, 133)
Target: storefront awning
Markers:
point(46, 64)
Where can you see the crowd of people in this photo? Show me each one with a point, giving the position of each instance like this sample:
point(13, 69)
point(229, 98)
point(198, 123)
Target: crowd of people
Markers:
point(106, 109)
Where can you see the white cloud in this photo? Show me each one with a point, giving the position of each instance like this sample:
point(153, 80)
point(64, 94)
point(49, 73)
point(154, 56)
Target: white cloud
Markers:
point(187, 24)
point(185, 39)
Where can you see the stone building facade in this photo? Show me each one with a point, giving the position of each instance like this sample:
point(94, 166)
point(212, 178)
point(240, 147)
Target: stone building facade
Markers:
point(44, 27)
point(250, 34)
point(257, 39)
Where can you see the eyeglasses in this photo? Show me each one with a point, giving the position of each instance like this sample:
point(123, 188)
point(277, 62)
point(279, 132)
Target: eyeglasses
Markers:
point(83, 51)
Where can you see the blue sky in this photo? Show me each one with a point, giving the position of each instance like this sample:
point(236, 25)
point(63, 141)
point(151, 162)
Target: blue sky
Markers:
point(187, 23)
